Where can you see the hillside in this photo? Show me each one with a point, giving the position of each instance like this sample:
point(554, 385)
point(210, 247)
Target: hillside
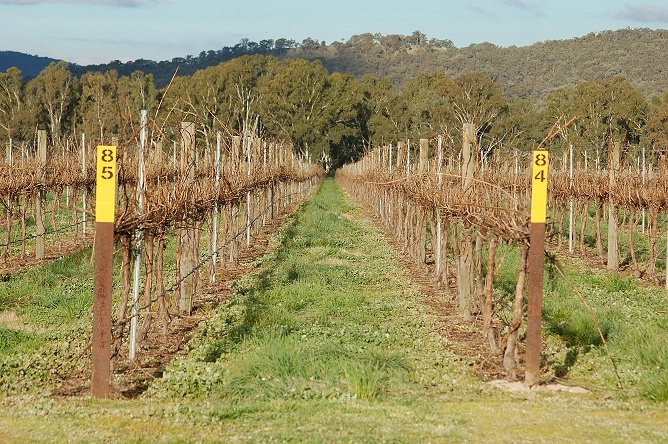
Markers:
point(30, 65)
point(529, 72)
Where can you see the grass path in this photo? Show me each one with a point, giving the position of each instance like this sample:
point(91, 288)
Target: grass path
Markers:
point(329, 341)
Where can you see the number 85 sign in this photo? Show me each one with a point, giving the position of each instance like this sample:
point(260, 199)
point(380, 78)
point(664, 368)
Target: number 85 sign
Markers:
point(105, 194)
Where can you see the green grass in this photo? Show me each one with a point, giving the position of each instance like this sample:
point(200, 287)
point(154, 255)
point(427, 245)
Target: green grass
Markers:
point(632, 319)
point(56, 294)
point(328, 317)
point(329, 341)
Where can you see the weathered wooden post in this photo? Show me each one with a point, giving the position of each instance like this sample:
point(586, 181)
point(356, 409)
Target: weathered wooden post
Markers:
point(439, 223)
point(424, 156)
point(216, 211)
point(613, 172)
point(189, 255)
point(423, 164)
point(465, 269)
point(105, 201)
point(536, 254)
point(41, 197)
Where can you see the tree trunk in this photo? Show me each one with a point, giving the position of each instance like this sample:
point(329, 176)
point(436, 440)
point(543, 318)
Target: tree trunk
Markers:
point(487, 309)
point(160, 283)
point(652, 242)
point(583, 225)
point(599, 243)
point(148, 249)
point(510, 355)
point(632, 223)
point(465, 272)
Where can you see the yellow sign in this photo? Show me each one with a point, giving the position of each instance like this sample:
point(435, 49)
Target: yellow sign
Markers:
point(105, 192)
point(539, 187)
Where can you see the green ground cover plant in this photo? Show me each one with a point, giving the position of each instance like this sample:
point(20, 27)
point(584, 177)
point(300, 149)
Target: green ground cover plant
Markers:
point(330, 341)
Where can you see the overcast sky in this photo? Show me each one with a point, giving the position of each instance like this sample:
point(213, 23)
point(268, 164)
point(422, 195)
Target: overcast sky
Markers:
point(99, 31)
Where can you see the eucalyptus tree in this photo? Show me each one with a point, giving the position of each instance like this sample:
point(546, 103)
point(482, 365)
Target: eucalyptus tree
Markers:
point(12, 98)
point(297, 104)
point(135, 93)
point(221, 98)
point(518, 126)
point(99, 108)
point(609, 108)
point(562, 106)
point(477, 100)
point(657, 124)
point(55, 90)
point(427, 104)
point(386, 120)
point(240, 90)
point(348, 132)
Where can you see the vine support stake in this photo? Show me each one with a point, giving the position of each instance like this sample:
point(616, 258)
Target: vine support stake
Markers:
point(536, 254)
point(41, 197)
point(138, 237)
point(105, 199)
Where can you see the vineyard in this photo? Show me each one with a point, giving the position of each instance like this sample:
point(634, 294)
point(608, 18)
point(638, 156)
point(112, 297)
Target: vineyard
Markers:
point(207, 204)
point(450, 210)
point(276, 259)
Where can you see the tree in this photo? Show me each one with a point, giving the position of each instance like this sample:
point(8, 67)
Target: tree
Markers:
point(99, 109)
point(517, 127)
point(295, 102)
point(55, 90)
point(11, 101)
point(135, 93)
point(477, 100)
point(609, 108)
point(383, 122)
point(348, 132)
point(427, 104)
point(657, 125)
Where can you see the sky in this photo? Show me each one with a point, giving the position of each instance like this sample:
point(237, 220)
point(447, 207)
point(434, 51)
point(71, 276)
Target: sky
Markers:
point(99, 31)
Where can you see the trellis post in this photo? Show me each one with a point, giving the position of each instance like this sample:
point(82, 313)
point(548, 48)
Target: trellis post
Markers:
point(41, 197)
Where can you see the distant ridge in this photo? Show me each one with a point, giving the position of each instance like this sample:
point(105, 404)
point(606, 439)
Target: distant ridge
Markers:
point(527, 72)
point(30, 65)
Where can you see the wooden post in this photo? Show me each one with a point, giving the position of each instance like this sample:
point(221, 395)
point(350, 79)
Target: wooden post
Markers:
point(424, 156)
point(248, 140)
point(105, 200)
point(465, 269)
point(216, 210)
point(570, 200)
point(9, 159)
point(400, 155)
point(189, 255)
point(613, 171)
point(439, 223)
point(41, 197)
point(535, 265)
point(468, 161)
point(408, 158)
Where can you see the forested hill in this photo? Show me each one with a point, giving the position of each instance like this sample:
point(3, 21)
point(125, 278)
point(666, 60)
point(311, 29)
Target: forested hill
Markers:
point(529, 72)
point(30, 65)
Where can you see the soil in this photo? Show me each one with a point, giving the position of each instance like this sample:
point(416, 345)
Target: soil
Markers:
point(53, 251)
point(464, 338)
point(132, 378)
